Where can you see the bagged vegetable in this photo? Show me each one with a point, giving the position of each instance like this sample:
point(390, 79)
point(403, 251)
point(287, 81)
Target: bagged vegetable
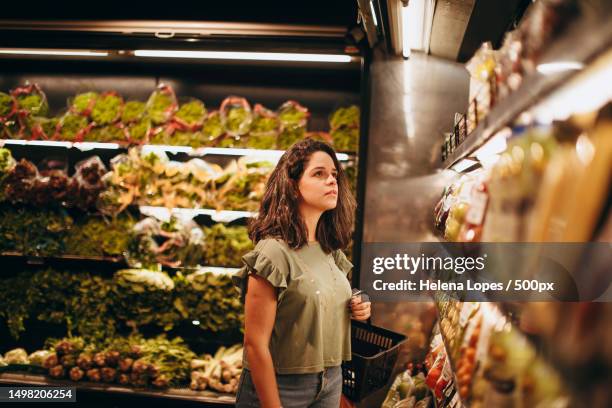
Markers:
point(133, 111)
point(31, 100)
point(292, 114)
point(107, 108)
point(225, 245)
point(20, 181)
point(344, 125)
point(138, 131)
point(213, 127)
point(83, 103)
point(107, 134)
point(8, 106)
point(162, 105)
point(87, 184)
point(190, 115)
point(236, 115)
point(73, 127)
point(264, 130)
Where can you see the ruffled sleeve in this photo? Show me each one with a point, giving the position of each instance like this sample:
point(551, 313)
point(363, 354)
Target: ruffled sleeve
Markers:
point(261, 262)
point(343, 263)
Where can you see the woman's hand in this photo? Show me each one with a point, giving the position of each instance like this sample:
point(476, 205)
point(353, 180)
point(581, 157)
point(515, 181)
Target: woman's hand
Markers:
point(359, 310)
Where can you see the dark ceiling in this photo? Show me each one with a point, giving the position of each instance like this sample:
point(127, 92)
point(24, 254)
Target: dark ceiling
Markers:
point(311, 12)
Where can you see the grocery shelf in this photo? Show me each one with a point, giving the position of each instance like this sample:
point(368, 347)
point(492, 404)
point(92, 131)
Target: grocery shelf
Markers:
point(187, 394)
point(163, 213)
point(193, 152)
point(581, 43)
point(115, 262)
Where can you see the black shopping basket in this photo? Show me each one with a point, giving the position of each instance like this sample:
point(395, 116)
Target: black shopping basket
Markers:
point(375, 352)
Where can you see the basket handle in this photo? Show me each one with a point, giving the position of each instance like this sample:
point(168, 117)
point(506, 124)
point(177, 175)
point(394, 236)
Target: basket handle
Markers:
point(364, 298)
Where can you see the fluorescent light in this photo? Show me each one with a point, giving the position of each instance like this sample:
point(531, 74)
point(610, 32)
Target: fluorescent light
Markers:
point(254, 56)
point(550, 68)
point(33, 51)
point(464, 165)
point(218, 270)
point(163, 213)
point(417, 20)
point(195, 322)
point(373, 14)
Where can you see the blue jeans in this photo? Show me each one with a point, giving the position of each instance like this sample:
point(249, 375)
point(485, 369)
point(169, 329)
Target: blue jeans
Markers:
point(319, 390)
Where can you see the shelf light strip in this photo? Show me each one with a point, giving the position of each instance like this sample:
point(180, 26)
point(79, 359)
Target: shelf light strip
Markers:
point(220, 151)
point(252, 56)
point(59, 52)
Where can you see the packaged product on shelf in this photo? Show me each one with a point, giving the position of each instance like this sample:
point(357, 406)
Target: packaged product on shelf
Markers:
point(7, 163)
point(515, 182)
point(482, 85)
point(190, 115)
point(344, 128)
point(133, 111)
point(73, 127)
point(20, 182)
point(16, 356)
point(289, 135)
point(405, 387)
point(173, 243)
point(212, 128)
point(264, 129)
point(41, 128)
point(92, 236)
point(294, 119)
point(107, 108)
point(544, 21)
point(508, 70)
point(86, 185)
point(236, 115)
point(245, 187)
point(31, 100)
point(83, 103)
point(138, 131)
point(162, 105)
point(8, 106)
point(113, 133)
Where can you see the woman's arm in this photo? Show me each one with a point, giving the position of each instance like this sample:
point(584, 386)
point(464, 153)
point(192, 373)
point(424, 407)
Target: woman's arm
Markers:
point(260, 312)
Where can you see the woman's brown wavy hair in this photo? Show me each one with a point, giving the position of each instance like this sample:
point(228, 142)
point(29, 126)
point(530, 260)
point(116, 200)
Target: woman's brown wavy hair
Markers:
point(279, 215)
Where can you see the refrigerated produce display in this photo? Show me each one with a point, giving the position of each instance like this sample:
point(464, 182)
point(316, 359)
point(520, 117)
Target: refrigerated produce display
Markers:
point(127, 183)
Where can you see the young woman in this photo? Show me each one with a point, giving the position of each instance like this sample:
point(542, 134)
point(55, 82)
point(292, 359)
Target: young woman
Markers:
point(298, 304)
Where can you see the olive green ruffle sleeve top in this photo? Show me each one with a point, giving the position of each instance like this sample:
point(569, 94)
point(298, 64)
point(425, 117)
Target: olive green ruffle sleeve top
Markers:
point(312, 329)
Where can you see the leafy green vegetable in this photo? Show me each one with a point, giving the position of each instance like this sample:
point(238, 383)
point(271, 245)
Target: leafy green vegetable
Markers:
point(33, 103)
point(210, 299)
point(161, 105)
point(6, 104)
point(293, 114)
point(107, 109)
point(132, 111)
point(83, 103)
point(346, 138)
point(110, 133)
point(143, 297)
point(71, 125)
point(138, 131)
point(191, 113)
point(290, 135)
point(225, 246)
point(98, 236)
point(213, 128)
point(348, 116)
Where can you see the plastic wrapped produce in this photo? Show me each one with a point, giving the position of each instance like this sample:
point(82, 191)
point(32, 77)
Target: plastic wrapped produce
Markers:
point(73, 127)
point(7, 163)
point(213, 127)
point(162, 105)
point(86, 184)
point(8, 106)
point(293, 114)
point(20, 182)
point(289, 135)
point(109, 133)
point(107, 108)
point(191, 114)
point(41, 128)
point(133, 111)
point(83, 103)
point(138, 132)
point(245, 187)
point(236, 115)
point(264, 130)
point(31, 100)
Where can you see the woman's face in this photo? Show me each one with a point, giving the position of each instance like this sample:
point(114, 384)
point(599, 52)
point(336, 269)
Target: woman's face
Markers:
point(318, 185)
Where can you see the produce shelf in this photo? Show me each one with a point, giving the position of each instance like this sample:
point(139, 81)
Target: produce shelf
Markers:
point(192, 152)
point(581, 43)
point(163, 213)
point(209, 397)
